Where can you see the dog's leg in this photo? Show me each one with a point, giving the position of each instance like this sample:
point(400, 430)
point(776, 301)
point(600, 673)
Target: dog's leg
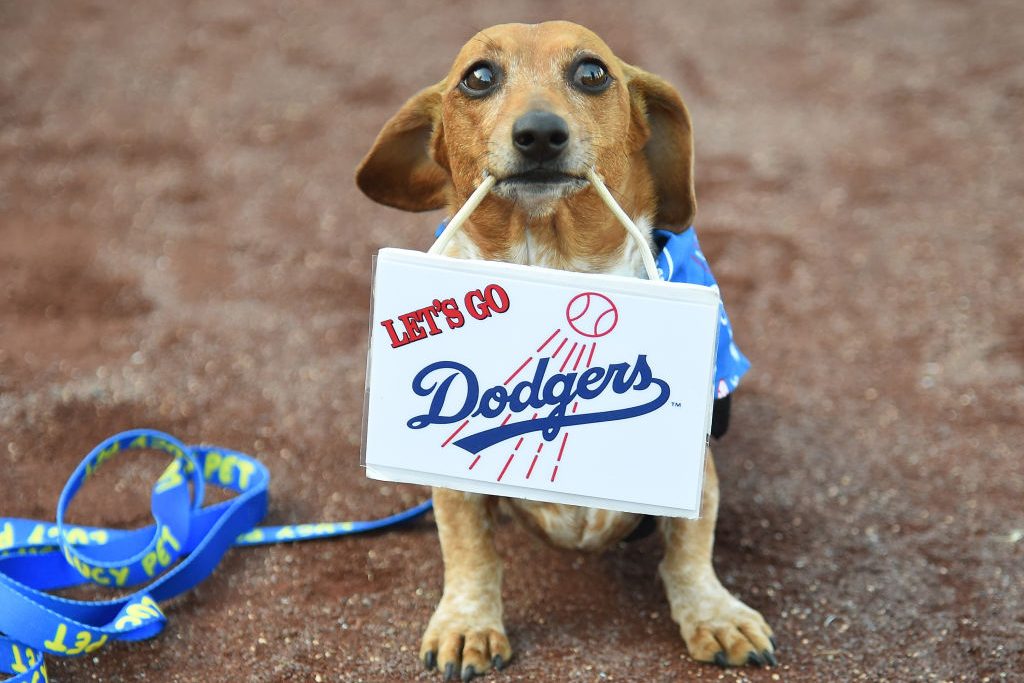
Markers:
point(716, 626)
point(466, 635)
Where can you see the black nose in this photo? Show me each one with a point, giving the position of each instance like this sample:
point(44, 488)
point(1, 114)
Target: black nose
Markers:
point(540, 135)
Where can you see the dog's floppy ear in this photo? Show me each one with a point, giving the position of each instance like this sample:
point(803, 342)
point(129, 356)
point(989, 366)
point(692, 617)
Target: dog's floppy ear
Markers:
point(400, 169)
point(661, 127)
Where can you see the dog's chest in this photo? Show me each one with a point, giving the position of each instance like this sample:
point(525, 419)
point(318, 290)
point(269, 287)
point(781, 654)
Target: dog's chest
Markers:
point(541, 246)
point(537, 248)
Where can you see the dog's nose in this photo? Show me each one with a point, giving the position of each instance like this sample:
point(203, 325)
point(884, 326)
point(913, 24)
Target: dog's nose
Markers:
point(540, 135)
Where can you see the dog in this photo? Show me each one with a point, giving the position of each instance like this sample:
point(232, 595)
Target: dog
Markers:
point(535, 106)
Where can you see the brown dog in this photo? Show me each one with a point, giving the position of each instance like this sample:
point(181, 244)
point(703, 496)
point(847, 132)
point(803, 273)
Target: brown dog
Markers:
point(536, 106)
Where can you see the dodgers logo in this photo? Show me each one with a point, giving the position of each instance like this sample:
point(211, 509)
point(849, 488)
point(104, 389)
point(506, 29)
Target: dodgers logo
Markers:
point(555, 396)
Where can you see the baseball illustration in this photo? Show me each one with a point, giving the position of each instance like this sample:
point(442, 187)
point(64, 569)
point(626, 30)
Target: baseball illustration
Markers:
point(592, 314)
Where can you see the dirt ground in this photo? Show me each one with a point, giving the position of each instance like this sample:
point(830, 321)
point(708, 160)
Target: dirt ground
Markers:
point(182, 247)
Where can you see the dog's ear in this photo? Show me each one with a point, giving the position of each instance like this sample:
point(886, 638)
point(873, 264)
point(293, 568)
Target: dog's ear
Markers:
point(402, 169)
point(660, 126)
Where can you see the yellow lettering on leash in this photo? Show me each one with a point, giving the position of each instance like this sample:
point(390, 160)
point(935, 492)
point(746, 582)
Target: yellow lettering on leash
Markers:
point(37, 535)
point(120, 575)
point(104, 455)
point(6, 536)
point(138, 613)
point(73, 535)
point(170, 478)
point(253, 536)
point(167, 447)
point(245, 470)
point(100, 575)
point(56, 644)
point(212, 463)
point(224, 471)
point(83, 642)
point(20, 666)
point(159, 556)
point(76, 536)
point(224, 467)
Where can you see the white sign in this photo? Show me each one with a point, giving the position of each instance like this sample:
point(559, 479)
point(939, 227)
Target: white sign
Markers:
point(534, 383)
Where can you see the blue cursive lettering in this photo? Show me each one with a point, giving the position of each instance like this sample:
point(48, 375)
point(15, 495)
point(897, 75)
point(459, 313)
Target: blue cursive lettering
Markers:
point(451, 401)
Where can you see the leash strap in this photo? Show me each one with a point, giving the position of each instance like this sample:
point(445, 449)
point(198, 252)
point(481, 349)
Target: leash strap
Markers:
point(179, 550)
point(184, 545)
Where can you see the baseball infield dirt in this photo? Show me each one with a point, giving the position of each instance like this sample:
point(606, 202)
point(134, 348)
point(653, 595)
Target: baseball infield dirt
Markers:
point(182, 247)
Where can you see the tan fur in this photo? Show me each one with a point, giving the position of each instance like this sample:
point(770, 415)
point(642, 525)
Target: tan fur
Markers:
point(569, 526)
point(433, 153)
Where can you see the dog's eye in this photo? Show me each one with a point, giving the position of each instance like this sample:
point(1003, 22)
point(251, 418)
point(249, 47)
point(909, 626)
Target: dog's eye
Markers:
point(479, 79)
point(592, 76)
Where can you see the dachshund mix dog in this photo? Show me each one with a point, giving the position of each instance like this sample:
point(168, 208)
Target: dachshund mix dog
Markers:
point(535, 106)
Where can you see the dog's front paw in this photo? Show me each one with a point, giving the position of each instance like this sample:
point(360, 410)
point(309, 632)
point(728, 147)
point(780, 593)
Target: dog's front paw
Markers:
point(719, 628)
point(464, 642)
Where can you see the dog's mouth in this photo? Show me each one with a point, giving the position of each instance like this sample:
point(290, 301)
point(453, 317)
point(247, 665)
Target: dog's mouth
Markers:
point(541, 176)
point(539, 183)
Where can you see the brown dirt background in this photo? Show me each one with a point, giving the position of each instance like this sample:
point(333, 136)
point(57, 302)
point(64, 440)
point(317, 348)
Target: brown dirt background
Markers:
point(182, 247)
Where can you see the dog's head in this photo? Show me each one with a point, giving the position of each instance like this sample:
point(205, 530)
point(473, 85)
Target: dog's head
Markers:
point(536, 106)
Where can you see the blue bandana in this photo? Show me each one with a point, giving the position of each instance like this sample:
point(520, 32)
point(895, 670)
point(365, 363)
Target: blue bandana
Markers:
point(681, 260)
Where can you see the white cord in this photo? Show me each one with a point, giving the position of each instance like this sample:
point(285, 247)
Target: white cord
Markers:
point(645, 246)
point(488, 182)
point(462, 214)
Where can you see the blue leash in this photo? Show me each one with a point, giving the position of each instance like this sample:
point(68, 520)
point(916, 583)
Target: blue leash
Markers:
point(41, 556)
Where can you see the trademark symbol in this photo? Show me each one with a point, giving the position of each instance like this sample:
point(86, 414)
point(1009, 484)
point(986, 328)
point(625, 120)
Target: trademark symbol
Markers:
point(677, 404)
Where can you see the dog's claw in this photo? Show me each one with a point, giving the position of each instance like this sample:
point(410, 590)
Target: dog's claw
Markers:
point(755, 659)
point(498, 663)
point(468, 673)
point(775, 644)
point(430, 661)
point(769, 657)
point(720, 659)
point(449, 671)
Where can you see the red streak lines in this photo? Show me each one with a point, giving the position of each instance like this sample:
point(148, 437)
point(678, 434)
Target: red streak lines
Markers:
point(554, 472)
point(560, 347)
point(579, 358)
point(520, 443)
point(546, 342)
point(530, 471)
point(505, 468)
point(475, 461)
point(507, 418)
point(535, 456)
point(519, 369)
point(568, 356)
point(461, 426)
point(575, 406)
point(562, 449)
point(590, 358)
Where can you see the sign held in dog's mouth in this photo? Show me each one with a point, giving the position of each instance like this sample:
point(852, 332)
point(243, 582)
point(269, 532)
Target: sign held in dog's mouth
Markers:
point(548, 385)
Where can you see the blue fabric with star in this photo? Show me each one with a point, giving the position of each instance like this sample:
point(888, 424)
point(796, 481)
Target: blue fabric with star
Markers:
point(681, 260)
